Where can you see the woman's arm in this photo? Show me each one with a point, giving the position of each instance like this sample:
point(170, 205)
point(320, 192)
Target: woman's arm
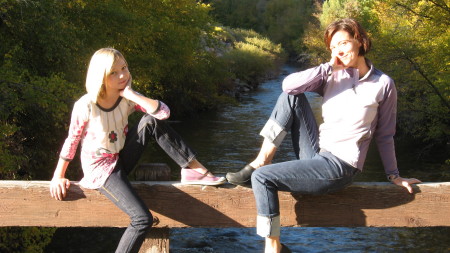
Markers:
point(384, 138)
point(311, 79)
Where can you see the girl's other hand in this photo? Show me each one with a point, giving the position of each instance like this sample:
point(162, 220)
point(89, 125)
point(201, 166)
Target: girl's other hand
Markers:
point(59, 187)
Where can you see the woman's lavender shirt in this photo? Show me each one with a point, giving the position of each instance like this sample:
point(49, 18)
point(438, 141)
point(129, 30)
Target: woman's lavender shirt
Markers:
point(353, 111)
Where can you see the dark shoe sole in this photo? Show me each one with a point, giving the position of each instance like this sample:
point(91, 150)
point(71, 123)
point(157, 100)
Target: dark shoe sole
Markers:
point(242, 177)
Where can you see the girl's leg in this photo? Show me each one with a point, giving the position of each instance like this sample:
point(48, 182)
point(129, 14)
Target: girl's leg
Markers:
point(119, 190)
point(169, 140)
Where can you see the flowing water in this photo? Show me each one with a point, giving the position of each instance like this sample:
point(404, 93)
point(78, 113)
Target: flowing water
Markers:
point(228, 140)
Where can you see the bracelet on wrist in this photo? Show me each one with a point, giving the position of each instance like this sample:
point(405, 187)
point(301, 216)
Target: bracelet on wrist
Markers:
point(392, 177)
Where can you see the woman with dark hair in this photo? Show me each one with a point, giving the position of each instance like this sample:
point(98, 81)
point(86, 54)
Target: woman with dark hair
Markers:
point(359, 103)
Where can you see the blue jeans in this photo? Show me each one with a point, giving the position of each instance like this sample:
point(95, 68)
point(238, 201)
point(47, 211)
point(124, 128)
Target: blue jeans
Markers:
point(315, 172)
point(118, 188)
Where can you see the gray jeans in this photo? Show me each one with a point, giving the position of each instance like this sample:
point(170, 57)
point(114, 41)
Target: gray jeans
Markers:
point(119, 190)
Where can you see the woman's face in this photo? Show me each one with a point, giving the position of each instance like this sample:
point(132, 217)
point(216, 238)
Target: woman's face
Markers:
point(118, 78)
point(345, 48)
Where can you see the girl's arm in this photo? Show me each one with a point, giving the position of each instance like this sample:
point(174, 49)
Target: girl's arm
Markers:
point(149, 105)
point(59, 184)
point(153, 107)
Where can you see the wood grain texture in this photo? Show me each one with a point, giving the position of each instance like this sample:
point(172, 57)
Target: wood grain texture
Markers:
point(28, 203)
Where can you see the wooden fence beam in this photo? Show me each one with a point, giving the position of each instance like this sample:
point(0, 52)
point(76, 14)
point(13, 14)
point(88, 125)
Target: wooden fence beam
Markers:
point(28, 203)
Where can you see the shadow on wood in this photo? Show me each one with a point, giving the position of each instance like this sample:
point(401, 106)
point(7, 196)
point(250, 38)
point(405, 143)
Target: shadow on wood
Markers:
point(187, 206)
point(356, 205)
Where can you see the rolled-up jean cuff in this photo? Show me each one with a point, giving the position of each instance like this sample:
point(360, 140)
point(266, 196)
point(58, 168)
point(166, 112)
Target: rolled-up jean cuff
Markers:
point(266, 226)
point(273, 132)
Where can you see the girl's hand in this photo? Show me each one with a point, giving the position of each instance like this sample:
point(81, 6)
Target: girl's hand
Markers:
point(406, 182)
point(59, 187)
point(126, 92)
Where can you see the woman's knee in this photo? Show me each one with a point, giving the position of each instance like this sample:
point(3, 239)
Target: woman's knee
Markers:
point(258, 177)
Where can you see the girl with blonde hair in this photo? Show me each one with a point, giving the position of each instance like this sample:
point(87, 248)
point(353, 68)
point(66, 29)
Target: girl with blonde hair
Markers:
point(110, 150)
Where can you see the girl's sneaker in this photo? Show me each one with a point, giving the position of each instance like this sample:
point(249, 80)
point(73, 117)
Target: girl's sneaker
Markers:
point(190, 176)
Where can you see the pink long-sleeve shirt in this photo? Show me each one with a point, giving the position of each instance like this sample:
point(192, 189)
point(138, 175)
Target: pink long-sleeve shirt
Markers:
point(354, 111)
point(102, 133)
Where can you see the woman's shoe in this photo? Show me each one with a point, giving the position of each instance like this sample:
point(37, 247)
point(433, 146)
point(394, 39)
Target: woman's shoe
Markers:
point(285, 249)
point(242, 177)
point(190, 176)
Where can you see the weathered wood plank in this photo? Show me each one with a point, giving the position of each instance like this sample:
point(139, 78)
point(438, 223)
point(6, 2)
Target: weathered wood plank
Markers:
point(28, 203)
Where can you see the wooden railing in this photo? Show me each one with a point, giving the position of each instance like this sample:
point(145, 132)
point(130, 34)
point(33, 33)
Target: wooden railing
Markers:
point(28, 203)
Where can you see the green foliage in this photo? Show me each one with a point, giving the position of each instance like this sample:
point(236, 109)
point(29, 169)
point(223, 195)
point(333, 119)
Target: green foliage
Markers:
point(413, 36)
point(33, 119)
point(25, 239)
point(244, 14)
point(282, 21)
point(410, 44)
point(360, 10)
point(253, 57)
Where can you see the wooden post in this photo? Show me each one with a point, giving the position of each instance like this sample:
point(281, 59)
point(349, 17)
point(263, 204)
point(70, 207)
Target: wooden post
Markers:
point(156, 241)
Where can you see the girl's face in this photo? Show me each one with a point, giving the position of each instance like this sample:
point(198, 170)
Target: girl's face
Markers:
point(345, 48)
point(118, 78)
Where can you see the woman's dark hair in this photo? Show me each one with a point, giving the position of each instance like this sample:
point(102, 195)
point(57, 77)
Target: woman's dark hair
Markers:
point(353, 28)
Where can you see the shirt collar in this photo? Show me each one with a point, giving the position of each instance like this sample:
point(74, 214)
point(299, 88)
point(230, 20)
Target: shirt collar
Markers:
point(371, 69)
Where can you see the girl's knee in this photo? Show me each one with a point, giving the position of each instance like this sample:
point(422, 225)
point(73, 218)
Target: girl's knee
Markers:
point(146, 120)
point(144, 221)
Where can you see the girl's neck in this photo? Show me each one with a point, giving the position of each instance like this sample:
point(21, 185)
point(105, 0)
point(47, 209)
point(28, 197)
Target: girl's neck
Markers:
point(108, 100)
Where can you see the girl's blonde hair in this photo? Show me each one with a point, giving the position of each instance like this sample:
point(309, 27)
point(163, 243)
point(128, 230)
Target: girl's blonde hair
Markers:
point(99, 67)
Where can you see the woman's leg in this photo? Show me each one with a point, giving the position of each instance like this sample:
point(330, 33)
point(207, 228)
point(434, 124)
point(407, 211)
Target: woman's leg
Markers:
point(318, 175)
point(291, 113)
point(119, 190)
point(294, 114)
